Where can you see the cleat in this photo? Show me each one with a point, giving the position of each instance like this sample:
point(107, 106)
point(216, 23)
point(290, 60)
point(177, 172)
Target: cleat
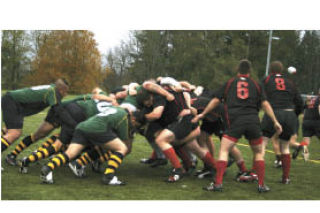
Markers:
point(77, 170)
point(285, 181)
point(277, 163)
point(205, 172)
point(11, 160)
point(305, 153)
point(213, 188)
point(176, 175)
point(245, 177)
point(147, 160)
point(296, 152)
point(159, 162)
point(263, 188)
point(112, 180)
point(23, 166)
point(46, 175)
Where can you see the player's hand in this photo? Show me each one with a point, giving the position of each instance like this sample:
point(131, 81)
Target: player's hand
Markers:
point(170, 97)
point(278, 127)
point(197, 118)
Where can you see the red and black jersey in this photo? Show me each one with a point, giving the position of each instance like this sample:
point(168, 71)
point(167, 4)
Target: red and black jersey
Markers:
point(282, 93)
point(311, 111)
point(200, 104)
point(241, 95)
point(171, 108)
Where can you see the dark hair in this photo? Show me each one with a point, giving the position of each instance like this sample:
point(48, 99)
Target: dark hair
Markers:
point(244, 67)
point(276, 67)
point(142, 96)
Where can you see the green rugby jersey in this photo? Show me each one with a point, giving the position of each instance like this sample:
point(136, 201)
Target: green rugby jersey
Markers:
point(132, 99)
point(114, 118)
point(93, 107)
point(35, 99)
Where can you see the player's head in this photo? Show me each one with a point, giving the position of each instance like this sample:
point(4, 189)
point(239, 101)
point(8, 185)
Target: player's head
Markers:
point(276, 67)
point(244, 67)
point(62, 86)
point(144, 98)
point(137, 118)
point(96, 91)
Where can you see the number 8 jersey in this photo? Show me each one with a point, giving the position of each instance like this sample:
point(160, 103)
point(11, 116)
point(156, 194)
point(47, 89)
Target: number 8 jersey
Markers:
point(282, 93)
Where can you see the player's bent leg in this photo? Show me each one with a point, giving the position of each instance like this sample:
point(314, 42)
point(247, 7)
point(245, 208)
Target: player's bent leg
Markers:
point(61, 159)
point(44, 129)
point(40, 154)
point(9, 138)
point(163, 141)
point(24, 143)
point(119, 150)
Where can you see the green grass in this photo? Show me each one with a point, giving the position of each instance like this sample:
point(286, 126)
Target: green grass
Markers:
point(145, 183)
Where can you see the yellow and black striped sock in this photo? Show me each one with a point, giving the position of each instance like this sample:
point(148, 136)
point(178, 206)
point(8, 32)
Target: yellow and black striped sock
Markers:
point(4, 144)
point(27, 141)
point(104, 157)
point(84, 160)
point(49, 141)
point(114, 162)
point(58, 160)
point(41, 154)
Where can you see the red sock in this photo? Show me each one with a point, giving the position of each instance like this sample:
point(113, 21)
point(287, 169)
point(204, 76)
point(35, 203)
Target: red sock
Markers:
point(209, 160)
point(171, 155)
point(242, 166)
point(153, 155)
point(303, 143)
point(221, 167)
point(286, 164)
point(260, 169)
point(184, 157)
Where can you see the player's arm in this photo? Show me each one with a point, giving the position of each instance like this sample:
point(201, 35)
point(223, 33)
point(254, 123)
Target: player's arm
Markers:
point(132, 88)
point(187, 97)
point(155, 88)
point(265, 105)
point(187, 85)
point(101, 97)
point(155, 114)
point(212, 104)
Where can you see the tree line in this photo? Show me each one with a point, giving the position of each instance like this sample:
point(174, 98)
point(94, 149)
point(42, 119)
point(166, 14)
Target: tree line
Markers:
point(203, 57)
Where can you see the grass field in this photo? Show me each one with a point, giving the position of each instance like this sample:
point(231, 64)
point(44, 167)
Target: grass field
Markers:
point(145, 183)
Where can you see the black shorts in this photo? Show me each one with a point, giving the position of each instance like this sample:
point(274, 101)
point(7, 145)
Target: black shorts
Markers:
point(66, 134)
point(151, 130)
point(311, 128)
point(11, 112)
point(212, 127)
point(52, 118)
point(288, 121)
point(88, 139)
point(183, 127)
point(247, 125)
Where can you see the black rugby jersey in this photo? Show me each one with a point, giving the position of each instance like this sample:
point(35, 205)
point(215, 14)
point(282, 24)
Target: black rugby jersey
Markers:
point(311, 111)
point(241, 95)
point(282, 93)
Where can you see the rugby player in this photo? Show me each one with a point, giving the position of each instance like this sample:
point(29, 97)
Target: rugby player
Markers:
point(310, 126)
point(20, 103)
point(287, 103)
point(242, 97)
point(108, 129)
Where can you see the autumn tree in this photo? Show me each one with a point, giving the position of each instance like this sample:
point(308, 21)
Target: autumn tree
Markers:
point(15, 62)
point(69, 54)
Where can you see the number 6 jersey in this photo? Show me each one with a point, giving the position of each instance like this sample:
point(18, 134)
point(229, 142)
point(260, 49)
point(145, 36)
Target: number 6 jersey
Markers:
point(241, 96)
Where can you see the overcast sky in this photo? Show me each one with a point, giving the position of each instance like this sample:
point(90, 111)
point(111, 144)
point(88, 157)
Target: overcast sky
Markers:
point(108, 39)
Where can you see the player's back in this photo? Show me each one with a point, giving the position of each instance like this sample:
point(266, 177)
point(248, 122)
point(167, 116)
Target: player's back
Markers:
point(280, 91)
point(242, 96)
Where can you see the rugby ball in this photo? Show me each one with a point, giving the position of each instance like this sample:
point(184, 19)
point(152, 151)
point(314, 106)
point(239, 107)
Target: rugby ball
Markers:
point(292, 70)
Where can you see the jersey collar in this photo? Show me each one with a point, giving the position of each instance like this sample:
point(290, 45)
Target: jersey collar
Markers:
point(243, 75)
